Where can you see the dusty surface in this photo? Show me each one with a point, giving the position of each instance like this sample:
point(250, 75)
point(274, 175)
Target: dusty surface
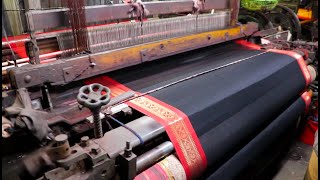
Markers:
point(295, 164)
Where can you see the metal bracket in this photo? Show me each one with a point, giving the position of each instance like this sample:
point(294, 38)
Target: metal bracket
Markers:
point(73, 72)
point(128, 166)
point(68, 74)
point(78, 153)
point(27, 78)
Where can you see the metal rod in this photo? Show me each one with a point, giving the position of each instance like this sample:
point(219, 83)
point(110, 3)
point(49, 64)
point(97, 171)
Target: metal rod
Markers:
point(48, 97)
point(11, 50)
point(121, 98)
point(98, 132)
point(114, 144)
point(42, 57)
point(305, 22)
point(5, 43)
point(151, 157)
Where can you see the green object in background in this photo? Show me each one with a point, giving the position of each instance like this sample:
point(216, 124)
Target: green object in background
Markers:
point(255, 5)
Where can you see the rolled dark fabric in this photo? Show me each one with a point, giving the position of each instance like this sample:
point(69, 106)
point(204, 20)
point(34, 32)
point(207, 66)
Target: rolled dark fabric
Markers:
point(227, 107)
point(286, 121)
point(223, 140)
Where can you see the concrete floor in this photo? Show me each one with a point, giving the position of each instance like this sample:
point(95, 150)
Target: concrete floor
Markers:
point(294, 165)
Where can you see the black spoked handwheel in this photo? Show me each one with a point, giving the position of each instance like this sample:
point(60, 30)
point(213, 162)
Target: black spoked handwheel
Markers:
point(93, 96)
point(287, 19)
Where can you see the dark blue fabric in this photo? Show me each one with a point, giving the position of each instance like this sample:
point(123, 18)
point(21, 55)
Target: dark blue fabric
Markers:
point(249, 154)
point(227, 107)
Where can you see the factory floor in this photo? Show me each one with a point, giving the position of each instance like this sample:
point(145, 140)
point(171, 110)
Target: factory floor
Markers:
point(294, 164)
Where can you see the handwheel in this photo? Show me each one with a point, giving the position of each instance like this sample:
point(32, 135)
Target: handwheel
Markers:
point(287, 19)
point(93, 96)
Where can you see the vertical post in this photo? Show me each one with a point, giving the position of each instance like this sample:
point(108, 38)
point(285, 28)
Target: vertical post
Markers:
point(23, 16)
point(315, 10)
point(13, 16)
point(5, 23)
point(34, 49)
point(32, 4)
point(235, 7)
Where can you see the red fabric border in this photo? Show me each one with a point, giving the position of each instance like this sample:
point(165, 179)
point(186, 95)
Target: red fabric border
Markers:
point(190, 172)
point(248, 44)
point(300, 60)
point(307, 99)
point(293, 54)
point(153, 173)
point(193, 169)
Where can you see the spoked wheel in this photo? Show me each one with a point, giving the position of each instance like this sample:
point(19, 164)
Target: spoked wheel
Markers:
point(246, 16)
point(287, 19)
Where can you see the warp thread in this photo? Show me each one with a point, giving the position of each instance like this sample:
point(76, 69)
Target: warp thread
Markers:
point(77, 19)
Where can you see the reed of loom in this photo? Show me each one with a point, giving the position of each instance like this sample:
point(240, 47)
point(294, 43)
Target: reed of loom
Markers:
point(77, 19)
point(126, 34)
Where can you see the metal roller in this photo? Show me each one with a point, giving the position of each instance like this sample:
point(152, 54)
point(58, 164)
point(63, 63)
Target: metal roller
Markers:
point(149, 158)
point(114, 144)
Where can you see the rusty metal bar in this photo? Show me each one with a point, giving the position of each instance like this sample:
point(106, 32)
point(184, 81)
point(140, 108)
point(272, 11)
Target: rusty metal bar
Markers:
point(44, 19)
point(5, 43)
point(77, 68)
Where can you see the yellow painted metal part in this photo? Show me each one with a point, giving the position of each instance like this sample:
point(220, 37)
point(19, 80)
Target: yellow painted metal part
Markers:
point(312, 171)
point(147, 52)
point(304, 14)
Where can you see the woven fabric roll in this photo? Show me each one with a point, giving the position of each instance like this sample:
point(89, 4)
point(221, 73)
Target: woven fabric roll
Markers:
point(168, 168)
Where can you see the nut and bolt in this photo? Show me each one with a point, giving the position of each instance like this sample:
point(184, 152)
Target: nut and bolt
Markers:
point(84, 141)
point(80, 107)
point(128, 150)
point(226, 35)
point(95, 149)
point(127, 111)
point(27, 79)
point(61, 139)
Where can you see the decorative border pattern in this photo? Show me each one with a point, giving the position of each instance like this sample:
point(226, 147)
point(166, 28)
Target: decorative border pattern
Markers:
point(168, 168)
point(176, 123)
point(178, 133)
